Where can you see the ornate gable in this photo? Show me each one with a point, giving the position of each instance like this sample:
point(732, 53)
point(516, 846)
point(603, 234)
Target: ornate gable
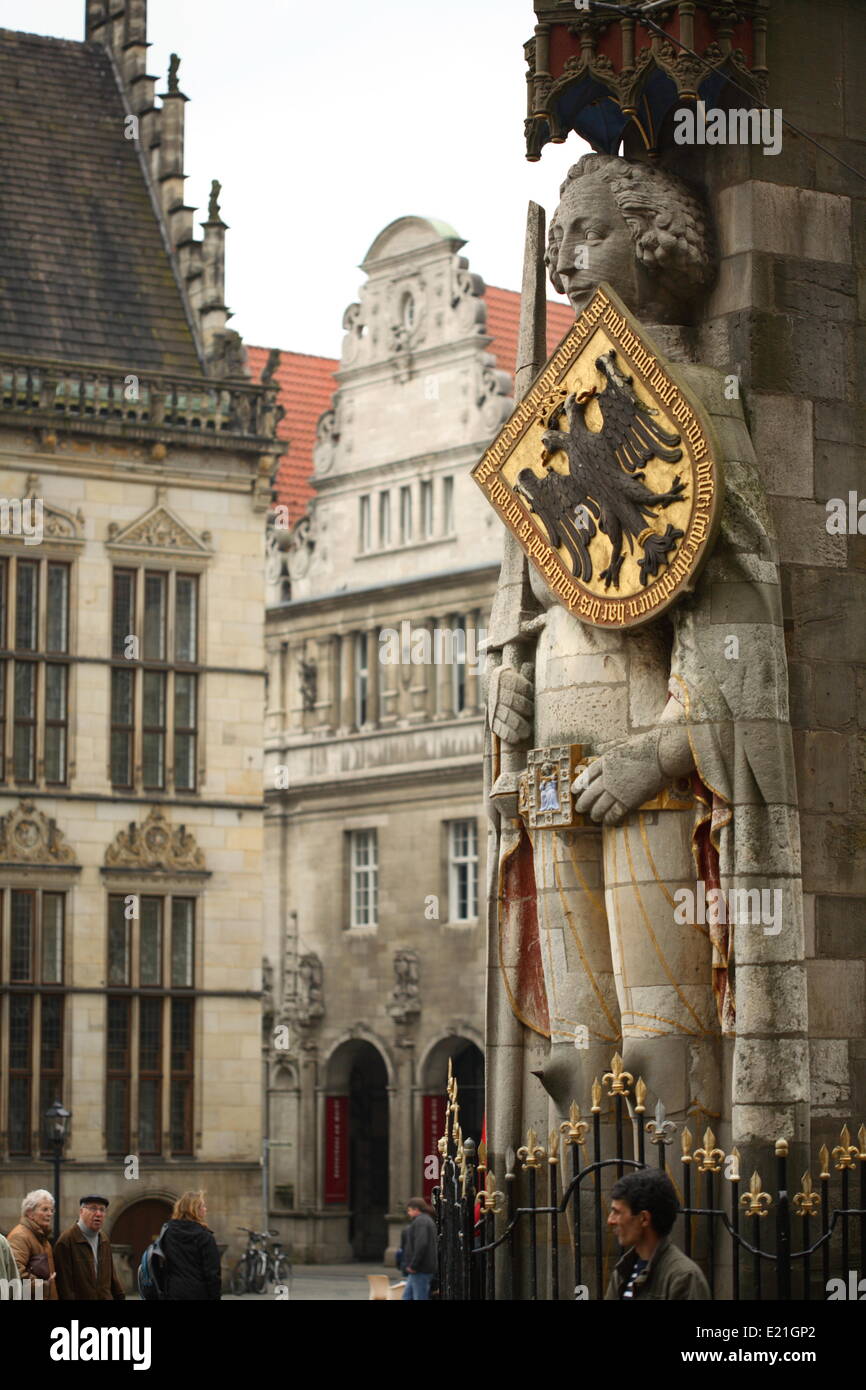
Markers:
point(36, 521)
point(160, 532)
point(29, 837)
point(157, 845)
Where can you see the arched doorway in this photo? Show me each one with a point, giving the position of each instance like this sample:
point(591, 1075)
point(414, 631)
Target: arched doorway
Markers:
point(467, 1062)
point(139, 1224)
point(356, 1144)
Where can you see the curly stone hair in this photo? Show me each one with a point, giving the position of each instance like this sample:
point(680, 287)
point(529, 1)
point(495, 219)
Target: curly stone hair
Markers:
point(669, 223)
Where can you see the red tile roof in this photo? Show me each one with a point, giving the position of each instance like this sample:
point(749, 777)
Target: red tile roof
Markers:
point(503, 316)
point(307, 385)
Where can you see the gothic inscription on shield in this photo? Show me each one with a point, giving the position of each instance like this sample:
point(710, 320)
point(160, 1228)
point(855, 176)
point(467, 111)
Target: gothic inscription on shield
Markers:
point(607, 473)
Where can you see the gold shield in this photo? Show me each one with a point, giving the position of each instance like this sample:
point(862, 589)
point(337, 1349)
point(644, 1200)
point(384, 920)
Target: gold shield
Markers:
point(608, 473)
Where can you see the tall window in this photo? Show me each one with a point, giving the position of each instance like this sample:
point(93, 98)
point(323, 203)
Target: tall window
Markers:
point(427, 509)
point(405, 515)
point(32, 968)
point(364, 538)
point(362, 679)
point(154, 681)
point(364, 878)
point(462, 870)
point(384, 520)
point(34, 670)
point(458, 666)
point(151, 952)
point(447, 506)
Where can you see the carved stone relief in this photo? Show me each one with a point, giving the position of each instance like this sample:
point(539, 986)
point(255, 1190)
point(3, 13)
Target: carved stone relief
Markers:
point(157, 844)
point(27, 836)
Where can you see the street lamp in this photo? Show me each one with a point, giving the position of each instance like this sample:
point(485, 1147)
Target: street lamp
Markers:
point(56, 1126)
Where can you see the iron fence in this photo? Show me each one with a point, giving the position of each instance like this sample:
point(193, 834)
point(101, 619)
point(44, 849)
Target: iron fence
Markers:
point(544, 1236)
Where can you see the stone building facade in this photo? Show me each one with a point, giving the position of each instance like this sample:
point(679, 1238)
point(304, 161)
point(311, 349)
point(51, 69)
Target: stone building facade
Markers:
point(374, 824)
point(134, 466)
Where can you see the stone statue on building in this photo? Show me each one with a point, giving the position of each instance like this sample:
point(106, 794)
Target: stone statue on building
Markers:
point(405, 1003)
point(600, 937)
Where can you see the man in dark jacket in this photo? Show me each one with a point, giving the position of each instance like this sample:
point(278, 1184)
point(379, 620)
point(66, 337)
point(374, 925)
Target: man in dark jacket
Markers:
point(82, 1257)
point(643, 1209)
point(420, 1259)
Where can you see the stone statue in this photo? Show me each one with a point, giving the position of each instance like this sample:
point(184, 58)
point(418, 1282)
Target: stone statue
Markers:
point(405, 1003)
point(598, 948)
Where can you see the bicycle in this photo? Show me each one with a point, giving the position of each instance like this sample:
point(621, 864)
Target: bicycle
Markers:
point(250, 1273)
point(278, 1268)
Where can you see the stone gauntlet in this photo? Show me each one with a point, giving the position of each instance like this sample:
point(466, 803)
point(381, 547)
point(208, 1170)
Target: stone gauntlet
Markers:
point(632, 773)
point(510, 702)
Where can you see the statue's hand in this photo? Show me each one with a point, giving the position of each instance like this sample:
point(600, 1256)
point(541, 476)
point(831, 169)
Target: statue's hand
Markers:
point(634, 772)
point(511, 703)
point(620, 781)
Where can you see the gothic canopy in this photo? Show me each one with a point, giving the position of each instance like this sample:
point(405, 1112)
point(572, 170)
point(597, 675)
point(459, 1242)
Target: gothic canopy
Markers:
point(611, 78)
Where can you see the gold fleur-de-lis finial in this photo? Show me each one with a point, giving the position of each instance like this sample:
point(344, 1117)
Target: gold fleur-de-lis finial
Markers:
point(618, 1077)
point(639, 1095)
point(661, 1130)
point(806, 1202)
point(686, 1141)
point(531, 1153)
point(845, 1152)
point(491, 1199)
point(482, 1155)
point(709, 1157)
point(574, 1128)
point(756, 1202)
point(732, 1168)
point(824, 1160)
point(861, 1140)
point(553, 1147)
point(596, 1097)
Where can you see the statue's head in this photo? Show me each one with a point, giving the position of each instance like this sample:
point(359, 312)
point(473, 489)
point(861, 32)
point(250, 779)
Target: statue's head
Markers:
point(641, 229)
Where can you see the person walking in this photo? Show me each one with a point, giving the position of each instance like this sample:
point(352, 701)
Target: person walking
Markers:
point(82, 1256)
point(192, 1260)
point(643, 1208)
point(420, 1259)
point(31, 1246)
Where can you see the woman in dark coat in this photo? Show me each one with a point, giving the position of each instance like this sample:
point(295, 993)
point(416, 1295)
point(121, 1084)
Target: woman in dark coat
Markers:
point(192, 1261)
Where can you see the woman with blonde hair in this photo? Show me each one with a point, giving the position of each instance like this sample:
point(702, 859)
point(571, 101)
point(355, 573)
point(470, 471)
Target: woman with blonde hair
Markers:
point(30, 1245)
point(192, 1261)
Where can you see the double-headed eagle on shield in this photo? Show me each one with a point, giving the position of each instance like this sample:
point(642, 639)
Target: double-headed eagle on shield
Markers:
point(604, 488)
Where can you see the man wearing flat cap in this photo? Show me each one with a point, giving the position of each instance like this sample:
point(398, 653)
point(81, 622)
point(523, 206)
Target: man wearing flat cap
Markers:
point(82, 1257)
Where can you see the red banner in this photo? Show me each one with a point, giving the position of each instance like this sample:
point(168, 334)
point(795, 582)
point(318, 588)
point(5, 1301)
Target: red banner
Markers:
point(337, 1149)
point(432, 1128)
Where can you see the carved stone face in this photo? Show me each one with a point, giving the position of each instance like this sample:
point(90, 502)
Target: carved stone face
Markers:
point(594, 244)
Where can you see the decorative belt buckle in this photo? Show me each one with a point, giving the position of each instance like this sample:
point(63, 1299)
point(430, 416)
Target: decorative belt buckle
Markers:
point(545, 799)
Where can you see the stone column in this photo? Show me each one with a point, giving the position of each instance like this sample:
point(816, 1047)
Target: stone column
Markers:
point(403, 1180)
point(444, 675)
point(325, 667)
point(421, 681)
point(389, 693)
point(347, 683)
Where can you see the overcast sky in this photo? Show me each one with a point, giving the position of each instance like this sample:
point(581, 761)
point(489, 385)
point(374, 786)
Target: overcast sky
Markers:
point(324, 122)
